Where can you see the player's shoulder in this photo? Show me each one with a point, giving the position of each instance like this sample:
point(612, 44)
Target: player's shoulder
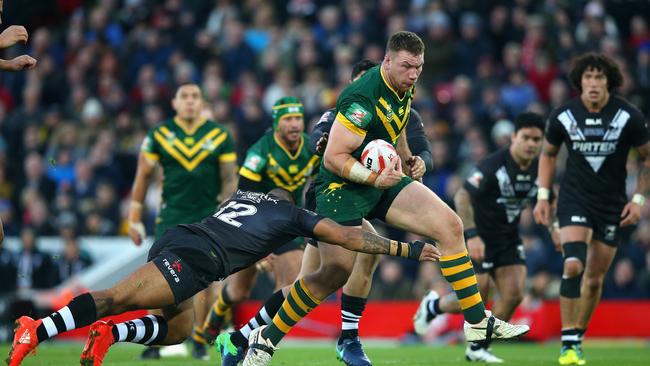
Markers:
point(211, 125)
point(367, 87)
point(619, 102)
point(573, 105)
point(162, 126)
point(494, 160)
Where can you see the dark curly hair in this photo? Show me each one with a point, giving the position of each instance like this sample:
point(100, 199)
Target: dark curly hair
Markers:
point(598, 62)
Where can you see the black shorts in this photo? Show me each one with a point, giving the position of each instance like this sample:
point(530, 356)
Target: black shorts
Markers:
point(499, 255)
point(603, 220)
point(183, 257)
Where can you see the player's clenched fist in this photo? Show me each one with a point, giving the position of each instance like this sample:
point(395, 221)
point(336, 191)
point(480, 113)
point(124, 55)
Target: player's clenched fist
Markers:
point(23, 62)
point(13, 35)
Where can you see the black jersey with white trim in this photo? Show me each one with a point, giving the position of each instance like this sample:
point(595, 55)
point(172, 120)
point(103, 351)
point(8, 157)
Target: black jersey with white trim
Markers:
point(251, 225)
point(500, 190)
point(598, 146)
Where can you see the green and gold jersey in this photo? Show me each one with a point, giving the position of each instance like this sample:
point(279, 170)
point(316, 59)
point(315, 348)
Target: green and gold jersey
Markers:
point(270, 164)
point(190, 160)
point(371, 108)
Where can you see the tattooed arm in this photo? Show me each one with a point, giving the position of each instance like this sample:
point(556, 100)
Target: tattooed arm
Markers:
point(358, 240)
point(632, 210)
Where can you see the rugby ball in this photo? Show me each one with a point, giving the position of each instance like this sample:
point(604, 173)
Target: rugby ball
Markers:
point(377, 154)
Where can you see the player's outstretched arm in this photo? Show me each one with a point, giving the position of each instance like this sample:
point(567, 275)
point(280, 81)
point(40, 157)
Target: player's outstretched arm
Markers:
point(545, 175)
point(358, 240)
point(138, 192)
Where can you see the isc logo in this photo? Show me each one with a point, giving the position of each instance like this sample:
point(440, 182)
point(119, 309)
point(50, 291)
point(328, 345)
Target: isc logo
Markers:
point(593, 121)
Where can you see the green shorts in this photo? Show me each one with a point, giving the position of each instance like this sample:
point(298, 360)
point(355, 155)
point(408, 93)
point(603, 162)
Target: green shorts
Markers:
point(168, 218)
point(347, 203)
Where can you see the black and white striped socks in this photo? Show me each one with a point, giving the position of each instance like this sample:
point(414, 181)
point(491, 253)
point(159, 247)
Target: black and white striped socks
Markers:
point(351, 311)
point(149, 330)
point(81, 311)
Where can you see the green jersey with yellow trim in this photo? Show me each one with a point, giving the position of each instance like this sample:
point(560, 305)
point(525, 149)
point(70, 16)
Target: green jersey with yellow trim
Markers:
point(190, 159)
point(270, 164)
point(371, 108)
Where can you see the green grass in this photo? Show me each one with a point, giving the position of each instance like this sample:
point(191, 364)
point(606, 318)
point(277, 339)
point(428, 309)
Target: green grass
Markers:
point(598, 353)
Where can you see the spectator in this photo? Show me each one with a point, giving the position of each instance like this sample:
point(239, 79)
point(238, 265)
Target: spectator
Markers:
point(72, 261)
point(35, 268)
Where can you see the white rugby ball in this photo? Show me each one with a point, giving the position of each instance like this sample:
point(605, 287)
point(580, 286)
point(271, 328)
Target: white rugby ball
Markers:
point(377, 155)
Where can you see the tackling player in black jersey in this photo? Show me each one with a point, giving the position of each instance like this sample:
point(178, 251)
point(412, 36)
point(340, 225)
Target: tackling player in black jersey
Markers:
point(490, 204)
point(598, 129)
point(185, 260)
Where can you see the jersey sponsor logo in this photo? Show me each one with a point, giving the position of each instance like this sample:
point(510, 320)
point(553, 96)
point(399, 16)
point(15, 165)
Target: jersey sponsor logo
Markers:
point(593, 121)
point(293, 169)
point(579, 219)
point(596, 147)
point(594, 131)
point(256, 197)
point(147, 145)
point(487, 265)
point(171, 270)
point(177, 266)
point(358, 115)
point(400, 111)
point(475, 179)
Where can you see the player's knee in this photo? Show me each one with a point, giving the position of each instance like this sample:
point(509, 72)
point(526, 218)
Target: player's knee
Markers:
point(593, 283)
point(452, 228)
point(336, 274)
point(575, 257)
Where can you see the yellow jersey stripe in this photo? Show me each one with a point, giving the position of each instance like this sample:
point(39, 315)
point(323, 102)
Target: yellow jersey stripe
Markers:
point(228, 157)
point(170, 149)
point(190, 152)
point(249, 174)
point(312, 162)
point(283, 173)
point(387, 125)
point(349, 125)
point(291, 156)
point(151, 157)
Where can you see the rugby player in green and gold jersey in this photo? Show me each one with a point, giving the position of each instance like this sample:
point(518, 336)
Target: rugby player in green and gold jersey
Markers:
point(199, 165)
point(377, 106)
point(280, 159)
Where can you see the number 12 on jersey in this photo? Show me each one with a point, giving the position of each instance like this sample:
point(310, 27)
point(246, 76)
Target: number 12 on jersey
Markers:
point(233, 210)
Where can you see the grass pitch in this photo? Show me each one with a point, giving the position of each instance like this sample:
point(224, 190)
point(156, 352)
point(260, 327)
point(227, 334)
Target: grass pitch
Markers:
point(605, 353)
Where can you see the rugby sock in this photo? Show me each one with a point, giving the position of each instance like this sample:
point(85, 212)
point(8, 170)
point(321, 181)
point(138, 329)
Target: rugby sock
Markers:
point(296, 306)
point(198, 336)
point(570, 337)
point(475, 346)
point(217, 316)
point(351, 311)
point(581, 334)
point(459, 272)
point(263, 317)
point(81, 311)
point(433, 309)
point(149, 330)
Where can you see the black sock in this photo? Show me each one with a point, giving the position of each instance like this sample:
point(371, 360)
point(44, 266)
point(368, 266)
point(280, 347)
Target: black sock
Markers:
point(433, 309)
point(581, 334)
point(149, 330)
point(263, 317)
point(570, 337)
point(81, 311)
point(351, 311)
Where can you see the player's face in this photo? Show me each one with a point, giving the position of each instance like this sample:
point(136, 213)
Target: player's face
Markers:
point(594, 86)
point(188, 102)
point(290, 128)
point(527, 143)
point(403, 68)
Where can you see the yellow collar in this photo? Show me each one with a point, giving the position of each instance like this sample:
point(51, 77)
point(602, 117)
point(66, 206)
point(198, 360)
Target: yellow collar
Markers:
point(292, 157)
point(381, 72)
point(189, 130)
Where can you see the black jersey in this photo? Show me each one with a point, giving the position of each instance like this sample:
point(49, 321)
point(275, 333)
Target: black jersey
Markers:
point(499, 191)
point(416, 138)
point(251, 225)
point(598, 145)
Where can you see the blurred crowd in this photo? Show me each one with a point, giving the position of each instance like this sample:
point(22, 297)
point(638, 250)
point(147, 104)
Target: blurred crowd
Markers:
point(70, 130)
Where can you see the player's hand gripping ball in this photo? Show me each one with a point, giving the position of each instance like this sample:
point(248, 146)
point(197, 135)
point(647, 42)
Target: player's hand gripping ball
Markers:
point(377, 154)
